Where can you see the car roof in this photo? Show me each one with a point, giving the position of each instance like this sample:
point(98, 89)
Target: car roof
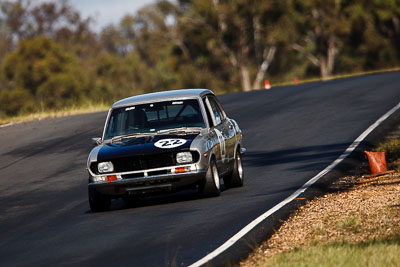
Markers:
point(162, 96)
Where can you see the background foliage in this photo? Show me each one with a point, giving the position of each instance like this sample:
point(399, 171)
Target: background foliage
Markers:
point(50, 57)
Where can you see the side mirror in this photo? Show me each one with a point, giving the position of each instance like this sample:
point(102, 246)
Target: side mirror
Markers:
point(96, 141)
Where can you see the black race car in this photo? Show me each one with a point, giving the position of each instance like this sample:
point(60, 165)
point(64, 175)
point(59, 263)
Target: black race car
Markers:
point(162, 142)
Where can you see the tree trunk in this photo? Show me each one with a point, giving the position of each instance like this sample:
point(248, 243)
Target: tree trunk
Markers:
point(313, 59)
point(328, 62)
point(245, 77)
point(239, 58)
point(323, 67)
point(267, 59)
point(331, 55)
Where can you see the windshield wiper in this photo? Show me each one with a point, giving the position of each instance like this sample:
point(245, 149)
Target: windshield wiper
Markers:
point(182, 130)
point(121, 138)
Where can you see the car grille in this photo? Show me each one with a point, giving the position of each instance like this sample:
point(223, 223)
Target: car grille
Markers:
point(138, 163)
point(144, 162)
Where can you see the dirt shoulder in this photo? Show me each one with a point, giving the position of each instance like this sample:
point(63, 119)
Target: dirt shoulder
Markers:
point(361, 210)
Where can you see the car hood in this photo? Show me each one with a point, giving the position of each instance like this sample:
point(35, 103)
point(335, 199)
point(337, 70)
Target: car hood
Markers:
point(145, 145)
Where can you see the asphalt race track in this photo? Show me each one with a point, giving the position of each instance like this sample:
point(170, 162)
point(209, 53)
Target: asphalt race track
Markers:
point(291, 134)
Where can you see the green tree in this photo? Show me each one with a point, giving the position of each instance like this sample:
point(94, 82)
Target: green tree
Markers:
point(243, 36)
point(42, 69)
point(50, 57)
point(324, 27)
point(16, 101)
point(374, 39)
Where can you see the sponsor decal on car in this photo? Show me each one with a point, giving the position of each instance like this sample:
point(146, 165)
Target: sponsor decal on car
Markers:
point(221, 140)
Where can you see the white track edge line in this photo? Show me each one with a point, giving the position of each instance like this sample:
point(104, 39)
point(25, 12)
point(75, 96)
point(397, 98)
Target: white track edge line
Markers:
point(302, 189)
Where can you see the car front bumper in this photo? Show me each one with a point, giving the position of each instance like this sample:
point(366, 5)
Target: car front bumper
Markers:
point(148, 181)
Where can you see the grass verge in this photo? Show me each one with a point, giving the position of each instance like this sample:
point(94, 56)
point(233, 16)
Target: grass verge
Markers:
point(356, 225)
point(392, 153)
point(374, 253)
point(334, 77)
point(74, 110)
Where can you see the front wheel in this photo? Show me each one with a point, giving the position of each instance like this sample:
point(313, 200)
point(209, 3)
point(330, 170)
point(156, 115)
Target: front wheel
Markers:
point(235, 179)
point(211, 184)
point(97, 201)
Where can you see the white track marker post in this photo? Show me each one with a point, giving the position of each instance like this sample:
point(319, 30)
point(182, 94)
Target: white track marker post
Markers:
point(299, 191)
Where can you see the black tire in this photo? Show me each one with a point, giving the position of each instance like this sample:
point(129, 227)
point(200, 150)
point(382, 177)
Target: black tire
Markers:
point(211, 186)
point(235, 179)
point(97, 201)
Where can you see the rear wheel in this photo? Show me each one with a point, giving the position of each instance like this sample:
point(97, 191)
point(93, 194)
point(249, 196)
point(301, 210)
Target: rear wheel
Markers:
point(211, 184)
point(97, 201)
point(235, 179)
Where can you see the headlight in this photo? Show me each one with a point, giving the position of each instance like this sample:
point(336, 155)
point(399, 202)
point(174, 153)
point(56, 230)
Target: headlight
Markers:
point(184, 157)
point(105, 167)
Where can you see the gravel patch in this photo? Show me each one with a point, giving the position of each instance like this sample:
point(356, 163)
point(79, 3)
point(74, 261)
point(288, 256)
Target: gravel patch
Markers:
point(362, 209)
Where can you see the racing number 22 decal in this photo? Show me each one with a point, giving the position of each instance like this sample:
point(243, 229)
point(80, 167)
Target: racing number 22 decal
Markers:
point(169, 143)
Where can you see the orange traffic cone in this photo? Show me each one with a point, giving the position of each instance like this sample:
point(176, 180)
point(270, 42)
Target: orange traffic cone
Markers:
point(296, 81)
point(377, 163)
point(267, 85)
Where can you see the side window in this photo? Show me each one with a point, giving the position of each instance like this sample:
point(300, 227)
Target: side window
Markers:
point(223, 115)
point(210, 120)
point(218, 115)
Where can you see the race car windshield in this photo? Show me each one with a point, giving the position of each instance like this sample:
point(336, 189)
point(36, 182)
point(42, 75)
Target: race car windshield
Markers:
point(153, 117)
